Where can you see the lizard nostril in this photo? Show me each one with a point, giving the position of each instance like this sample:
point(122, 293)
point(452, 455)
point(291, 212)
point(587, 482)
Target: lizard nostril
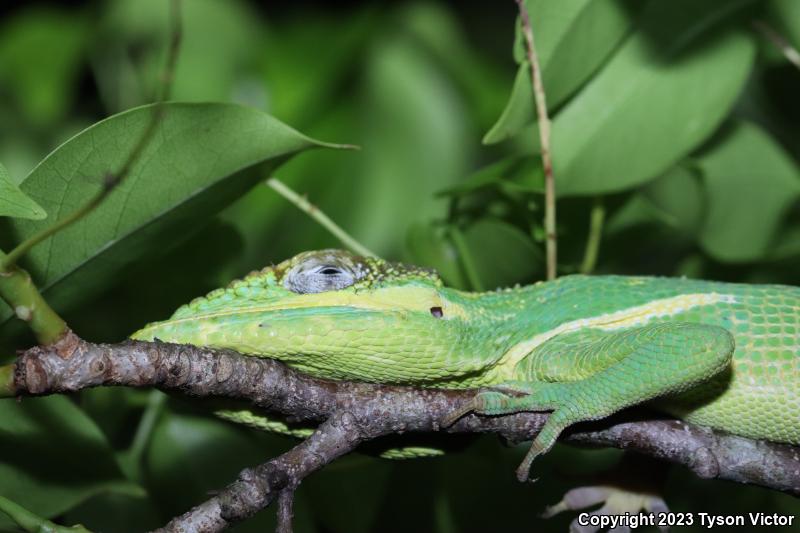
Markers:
point(437, 312)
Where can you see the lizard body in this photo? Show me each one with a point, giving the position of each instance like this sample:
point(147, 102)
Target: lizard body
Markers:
point(718, 354)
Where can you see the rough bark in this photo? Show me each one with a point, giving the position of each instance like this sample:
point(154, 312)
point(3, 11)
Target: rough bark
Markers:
point(351, 414)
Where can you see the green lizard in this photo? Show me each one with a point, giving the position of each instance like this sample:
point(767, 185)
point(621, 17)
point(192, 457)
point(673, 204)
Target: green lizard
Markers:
point(718, 354)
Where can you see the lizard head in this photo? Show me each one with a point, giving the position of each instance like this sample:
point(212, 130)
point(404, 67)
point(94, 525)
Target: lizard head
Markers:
point(331, 314)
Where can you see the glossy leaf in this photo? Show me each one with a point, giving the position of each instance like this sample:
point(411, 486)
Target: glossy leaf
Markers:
point(572, 37)
point(502, 254)
point(189, 171)
point(14, 202)
point(751, 184)
point(660, 96)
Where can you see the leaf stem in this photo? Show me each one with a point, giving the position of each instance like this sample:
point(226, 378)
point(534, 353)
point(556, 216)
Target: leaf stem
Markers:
point(176, 36)
point(131, 460)
point(781, 42)
point(544, 136)
point(22, 248)
point(314, 212)
point(18, 290)
point(34, 523)
point(596, 220)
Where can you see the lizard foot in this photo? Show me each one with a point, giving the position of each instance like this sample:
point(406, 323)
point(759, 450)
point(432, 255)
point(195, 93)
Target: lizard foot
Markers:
point(484, 403)
point(552, 397)
point(616, 502)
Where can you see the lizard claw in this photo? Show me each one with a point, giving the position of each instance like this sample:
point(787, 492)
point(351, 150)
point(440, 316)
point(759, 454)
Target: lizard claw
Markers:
point(484, 403)
point(524, 469)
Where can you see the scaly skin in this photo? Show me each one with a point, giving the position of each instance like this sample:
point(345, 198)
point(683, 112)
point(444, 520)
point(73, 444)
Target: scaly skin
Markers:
point(717, 354)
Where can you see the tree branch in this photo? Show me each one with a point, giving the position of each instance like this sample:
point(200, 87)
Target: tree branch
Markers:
point(354, 413)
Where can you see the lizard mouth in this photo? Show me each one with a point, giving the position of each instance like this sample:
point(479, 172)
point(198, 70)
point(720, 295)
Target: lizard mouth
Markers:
point(403, 299)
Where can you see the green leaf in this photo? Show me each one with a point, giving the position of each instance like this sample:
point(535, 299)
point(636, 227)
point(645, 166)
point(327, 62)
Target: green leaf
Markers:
point(786, 245)
point(54, 457)
point(301, 94)
point(514, 173)
point(785, 14)
point(675, 199)
point(660, 96)
point(14, 202)
point(572, 38)
point(40, 54)
point(189, 171)
point(488, 253)
point(751, 184)
point(428, 246)
point(501, 254)
point(437, 27)
point(207, 69)
point(416, 142)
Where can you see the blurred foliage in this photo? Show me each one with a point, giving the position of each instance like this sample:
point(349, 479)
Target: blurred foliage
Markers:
point(677, 117)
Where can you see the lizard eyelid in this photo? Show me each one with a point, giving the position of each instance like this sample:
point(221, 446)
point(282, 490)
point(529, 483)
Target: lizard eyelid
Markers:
point(329, 271)
point(309, 279)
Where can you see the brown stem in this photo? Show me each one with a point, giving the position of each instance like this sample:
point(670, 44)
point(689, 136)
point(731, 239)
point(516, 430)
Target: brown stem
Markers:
point(544, 136)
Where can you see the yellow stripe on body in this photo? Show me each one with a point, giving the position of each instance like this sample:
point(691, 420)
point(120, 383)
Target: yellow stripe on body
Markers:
point(637, 315)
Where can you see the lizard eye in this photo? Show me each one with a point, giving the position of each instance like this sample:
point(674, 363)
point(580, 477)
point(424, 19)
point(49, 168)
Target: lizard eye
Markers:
point(314, 277)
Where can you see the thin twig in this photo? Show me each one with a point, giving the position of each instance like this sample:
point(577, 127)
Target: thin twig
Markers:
point(596, 219)
point(131, 459)
point(314, 212)
point(33, 523)
point(781, 42)
point(112, 179)
point(109, 183)
point(176, 36)
point(544, 136)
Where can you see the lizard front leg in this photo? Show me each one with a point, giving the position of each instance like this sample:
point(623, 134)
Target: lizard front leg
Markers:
point(608, 372)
